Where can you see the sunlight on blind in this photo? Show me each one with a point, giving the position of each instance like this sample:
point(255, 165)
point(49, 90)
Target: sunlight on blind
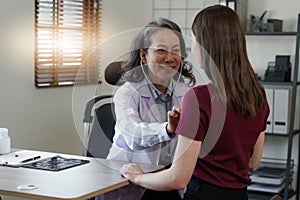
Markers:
point(66, 32)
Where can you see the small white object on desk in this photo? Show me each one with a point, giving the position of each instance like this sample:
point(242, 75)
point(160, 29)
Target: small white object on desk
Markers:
point(4, 141)
point(27, 187)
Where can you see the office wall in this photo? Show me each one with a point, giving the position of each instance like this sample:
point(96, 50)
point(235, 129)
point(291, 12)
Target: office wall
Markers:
point(43, 118)
point(36, 118)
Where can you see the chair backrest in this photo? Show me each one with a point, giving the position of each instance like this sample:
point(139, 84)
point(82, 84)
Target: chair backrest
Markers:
point(100, 119)
point(113, 73)
point(101, 130)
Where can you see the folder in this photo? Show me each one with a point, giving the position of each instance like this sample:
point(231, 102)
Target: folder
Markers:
point(282, 106)
point(270, 99)
point(267, 180)
point(259, 187)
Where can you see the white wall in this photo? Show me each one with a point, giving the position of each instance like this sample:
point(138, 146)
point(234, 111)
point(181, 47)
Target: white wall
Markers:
point(43, 118)
point(36, 118)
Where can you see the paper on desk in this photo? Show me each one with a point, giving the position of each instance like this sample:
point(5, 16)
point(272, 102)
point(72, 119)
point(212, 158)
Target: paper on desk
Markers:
point(15, 157)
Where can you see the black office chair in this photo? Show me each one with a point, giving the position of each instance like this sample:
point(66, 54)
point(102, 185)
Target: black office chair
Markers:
point(99, 118)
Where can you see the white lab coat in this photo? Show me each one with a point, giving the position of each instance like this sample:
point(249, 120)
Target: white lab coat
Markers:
point(140, 131)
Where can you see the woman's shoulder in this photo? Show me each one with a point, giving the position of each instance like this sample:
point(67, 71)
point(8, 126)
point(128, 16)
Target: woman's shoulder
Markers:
point(202, 89)
point(129, 88)
point(131, 85)
point(200, 92)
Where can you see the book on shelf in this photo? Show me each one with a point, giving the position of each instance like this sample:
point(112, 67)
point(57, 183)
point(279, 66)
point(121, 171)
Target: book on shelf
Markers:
point(260, 187)
point(267, 180)
point(270, 172)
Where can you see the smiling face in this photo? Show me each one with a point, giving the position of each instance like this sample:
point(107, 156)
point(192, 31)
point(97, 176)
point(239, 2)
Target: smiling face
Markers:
point(163, 57)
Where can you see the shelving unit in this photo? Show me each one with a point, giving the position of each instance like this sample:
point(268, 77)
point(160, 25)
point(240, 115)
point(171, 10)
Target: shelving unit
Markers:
point(288, 192)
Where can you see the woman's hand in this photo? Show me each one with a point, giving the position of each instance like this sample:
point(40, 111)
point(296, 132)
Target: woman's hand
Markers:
point(173, 119)
point(131, 172)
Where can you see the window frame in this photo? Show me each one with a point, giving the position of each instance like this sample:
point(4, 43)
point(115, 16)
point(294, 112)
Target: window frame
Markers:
point(66, 33)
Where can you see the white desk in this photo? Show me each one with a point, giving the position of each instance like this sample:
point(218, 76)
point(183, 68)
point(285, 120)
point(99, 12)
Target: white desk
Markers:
point(80, 182)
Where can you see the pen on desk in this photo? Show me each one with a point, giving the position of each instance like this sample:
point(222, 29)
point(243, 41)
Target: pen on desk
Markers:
point(30, 159)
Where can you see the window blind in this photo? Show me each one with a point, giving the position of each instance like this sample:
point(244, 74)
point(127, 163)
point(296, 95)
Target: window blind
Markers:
point(66, 32)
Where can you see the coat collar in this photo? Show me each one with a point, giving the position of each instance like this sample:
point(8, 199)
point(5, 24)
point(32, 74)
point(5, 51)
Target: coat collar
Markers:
point(143, 88)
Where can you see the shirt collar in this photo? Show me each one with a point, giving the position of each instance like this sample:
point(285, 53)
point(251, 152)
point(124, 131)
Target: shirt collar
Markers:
point(155, 94)
point(144, 89)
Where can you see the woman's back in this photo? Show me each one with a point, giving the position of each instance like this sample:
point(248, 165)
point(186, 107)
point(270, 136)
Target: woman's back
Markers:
point(227, 137)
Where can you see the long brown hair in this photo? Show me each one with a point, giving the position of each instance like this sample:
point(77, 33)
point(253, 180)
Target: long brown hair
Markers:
point(218, 30)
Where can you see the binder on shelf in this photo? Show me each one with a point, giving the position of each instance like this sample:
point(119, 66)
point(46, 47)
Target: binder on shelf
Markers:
point(282, 109)
point(267, 180)
point(270, 176)
point(258, 187)
point(270, 99)
point(270, 172)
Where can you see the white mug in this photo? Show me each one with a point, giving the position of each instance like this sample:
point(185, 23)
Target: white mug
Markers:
point(4, 141)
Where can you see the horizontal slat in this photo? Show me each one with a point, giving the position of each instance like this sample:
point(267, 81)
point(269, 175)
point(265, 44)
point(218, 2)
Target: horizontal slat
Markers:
point(45, 73)
point(49, 69)
point(70, 76)
point(42, 79)
point(52, 80)
point(61, 62)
